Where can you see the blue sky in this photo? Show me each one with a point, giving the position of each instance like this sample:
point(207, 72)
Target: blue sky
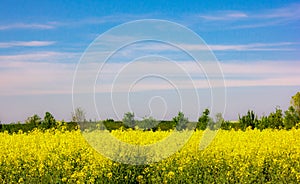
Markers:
point(256, 42)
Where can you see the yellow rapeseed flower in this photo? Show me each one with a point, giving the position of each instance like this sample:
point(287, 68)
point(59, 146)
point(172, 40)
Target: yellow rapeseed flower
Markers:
point(171, 174)
point(109, 175)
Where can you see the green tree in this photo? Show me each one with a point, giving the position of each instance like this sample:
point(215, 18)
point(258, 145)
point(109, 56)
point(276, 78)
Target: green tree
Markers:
point(34, 121)
point(180, 121)
point(275, 119)
point(219, 121)
point(292, 115)
point(48, 121)
point(148, 123)
point(226, 125)
point(295, 102)
point(128, 119)
point(263, 123)
point(248, 120)
point(203, 120)
point(78, 115)
point(291, 118)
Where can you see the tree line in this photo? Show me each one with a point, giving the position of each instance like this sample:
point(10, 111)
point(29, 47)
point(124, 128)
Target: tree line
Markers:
point(278, 119)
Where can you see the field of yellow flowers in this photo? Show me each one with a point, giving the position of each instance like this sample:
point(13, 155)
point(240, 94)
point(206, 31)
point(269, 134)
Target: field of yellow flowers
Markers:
point(57, 156)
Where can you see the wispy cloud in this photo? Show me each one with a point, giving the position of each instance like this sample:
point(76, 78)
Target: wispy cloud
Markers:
point(289, 12)
point(50, 25)
point(178, 52)
point(19, 77)
point(119, 76)
point(233, 19)
point(116, 18)
point(161, 47)
point(31, 73)
point(47, 56)
point(109, 19)
point(26, 44)
point(281, 46)
point(223, 16)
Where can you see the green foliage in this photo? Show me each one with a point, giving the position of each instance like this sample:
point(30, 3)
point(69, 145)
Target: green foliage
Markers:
point(49, 121)
point(292, 115)
point(228, 125)
point(263, 123)
point(27, 127)
point(214, 125)
point(203, 120)
point(78, 115)
point(34, 121)
point(129, 120)
point(110, 124)
point(275, 119)
point(219, 121)
point(165, 125)
point(147, 123)
point(248, 120)
point(180, 121)
point(291, 118)
point(295, 102)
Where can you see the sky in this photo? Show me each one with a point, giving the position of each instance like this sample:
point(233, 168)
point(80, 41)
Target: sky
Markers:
point(256, 44)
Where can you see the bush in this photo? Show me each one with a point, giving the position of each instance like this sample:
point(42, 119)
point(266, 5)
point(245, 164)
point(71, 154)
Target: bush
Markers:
point(203, 120)
point(248, 120)
point(180, 121)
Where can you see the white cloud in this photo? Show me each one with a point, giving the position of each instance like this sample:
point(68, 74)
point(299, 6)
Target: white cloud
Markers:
point(20, 78)
point(37, 73)
point(288, 12)
point(27, 26)
point(232, 19)
point(259, 73)
point(26, 44)
point(52, 72)
point(48, 78)
point(47, 56)
point(245, 47)
point(280, 46)
point(291, 11)
point(111, 19)
point(223, 16)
